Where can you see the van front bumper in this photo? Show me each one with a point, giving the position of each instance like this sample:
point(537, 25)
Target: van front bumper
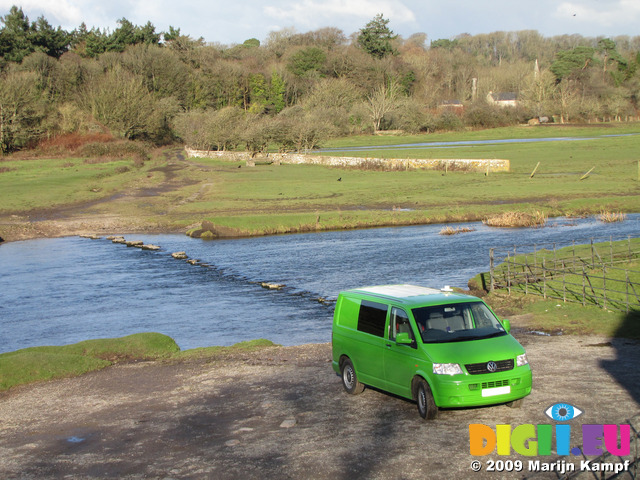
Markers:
point(488, 389)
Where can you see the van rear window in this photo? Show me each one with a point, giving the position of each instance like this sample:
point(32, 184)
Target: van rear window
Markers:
point(372, 318)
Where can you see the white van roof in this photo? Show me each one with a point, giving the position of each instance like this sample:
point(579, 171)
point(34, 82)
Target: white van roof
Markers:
point(399, 291)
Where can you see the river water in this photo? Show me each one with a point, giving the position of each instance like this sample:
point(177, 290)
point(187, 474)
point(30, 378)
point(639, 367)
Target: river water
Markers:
point(472, 143)
point(64, 290)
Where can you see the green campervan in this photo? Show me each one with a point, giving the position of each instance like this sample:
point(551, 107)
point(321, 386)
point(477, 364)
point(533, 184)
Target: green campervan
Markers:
point(439, 348)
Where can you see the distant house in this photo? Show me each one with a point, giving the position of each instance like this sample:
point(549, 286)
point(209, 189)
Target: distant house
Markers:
point(503, 99)
point(451, 105)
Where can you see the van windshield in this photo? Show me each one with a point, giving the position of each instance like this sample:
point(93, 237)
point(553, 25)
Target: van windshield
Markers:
point(458, 322)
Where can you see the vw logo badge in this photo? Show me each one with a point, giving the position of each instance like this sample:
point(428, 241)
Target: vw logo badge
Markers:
point(492, 367)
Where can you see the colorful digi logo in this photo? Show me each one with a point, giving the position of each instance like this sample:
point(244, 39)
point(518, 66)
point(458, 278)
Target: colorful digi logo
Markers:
point(534, 440)
point(562, 412)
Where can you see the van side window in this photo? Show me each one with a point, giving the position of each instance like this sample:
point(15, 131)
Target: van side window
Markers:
point(399, 323)
point(372, 318)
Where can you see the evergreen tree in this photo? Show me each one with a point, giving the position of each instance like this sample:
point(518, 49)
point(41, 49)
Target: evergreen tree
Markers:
point(376, 38)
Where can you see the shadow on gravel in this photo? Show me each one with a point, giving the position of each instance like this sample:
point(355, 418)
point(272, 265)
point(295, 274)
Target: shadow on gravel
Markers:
point(624, 369)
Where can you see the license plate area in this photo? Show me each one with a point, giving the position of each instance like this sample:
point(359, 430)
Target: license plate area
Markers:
point(492, 392)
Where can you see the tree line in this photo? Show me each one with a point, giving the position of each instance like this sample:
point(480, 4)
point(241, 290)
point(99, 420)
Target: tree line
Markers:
point(295, 90)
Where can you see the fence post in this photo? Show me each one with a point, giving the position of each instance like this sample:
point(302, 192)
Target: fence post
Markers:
point(544, 278)
point(564, 288)
point(593, 255)
point(611, 248)
point(526, 275)
point(509, 272)
point(604, 285)
point(584, 287)
point(627, 288)
point(491, 285)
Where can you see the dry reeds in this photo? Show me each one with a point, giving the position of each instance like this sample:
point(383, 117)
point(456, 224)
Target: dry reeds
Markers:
point(454, 231)
point(611, 217)
point(517, 219)
point(73, 141)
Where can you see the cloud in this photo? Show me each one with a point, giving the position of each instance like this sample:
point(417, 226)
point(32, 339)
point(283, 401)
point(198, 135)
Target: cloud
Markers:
point(318, 13)
point(55, 11)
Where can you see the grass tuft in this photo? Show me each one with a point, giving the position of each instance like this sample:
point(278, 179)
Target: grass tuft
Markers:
point(517, 219)
point(454, 231)
point(611, 217)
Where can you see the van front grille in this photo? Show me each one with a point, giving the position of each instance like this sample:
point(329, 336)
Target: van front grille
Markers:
point(497, 383)
point(480, 368)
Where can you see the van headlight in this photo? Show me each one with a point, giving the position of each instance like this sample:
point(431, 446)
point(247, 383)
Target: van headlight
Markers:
point(521, 360)
point(447, 369)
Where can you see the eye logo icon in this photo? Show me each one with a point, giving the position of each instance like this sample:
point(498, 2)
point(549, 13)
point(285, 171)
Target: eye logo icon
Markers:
point(562, 412)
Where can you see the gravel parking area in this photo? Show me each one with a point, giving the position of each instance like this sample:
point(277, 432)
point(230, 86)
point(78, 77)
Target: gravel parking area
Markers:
point(282, 413)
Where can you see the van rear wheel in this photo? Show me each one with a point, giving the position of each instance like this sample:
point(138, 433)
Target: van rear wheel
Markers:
point(350, 379)
point(427, 407)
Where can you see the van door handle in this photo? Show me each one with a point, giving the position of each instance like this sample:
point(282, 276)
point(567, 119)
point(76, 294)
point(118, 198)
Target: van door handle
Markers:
point(389, 345)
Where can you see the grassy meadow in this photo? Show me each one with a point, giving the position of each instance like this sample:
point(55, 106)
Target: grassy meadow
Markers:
point(555, 297)
point(50, 362)
point(169, 192)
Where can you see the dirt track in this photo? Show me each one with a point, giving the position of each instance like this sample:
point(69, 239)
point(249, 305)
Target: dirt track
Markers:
point(282, 413)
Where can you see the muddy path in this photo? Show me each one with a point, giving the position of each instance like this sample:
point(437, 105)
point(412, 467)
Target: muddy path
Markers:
point(140, 208)
point(282, 413)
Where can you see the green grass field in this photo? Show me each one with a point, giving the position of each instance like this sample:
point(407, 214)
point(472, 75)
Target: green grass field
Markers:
point(559, 300)
point(50, 362)
point(271, 199)
point(604, 274)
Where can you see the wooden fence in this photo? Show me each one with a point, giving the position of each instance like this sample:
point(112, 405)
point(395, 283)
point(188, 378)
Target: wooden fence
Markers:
point(590, 275)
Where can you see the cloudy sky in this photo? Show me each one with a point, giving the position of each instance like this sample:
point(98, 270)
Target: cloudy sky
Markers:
point(234, 21)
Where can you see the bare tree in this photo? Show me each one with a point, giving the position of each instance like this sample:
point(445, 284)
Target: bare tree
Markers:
point(21, 111)
point(383, 100)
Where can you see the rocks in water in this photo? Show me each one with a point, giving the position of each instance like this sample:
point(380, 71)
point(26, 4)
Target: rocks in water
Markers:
point(132, 243)
point(272, 286)
point(90, 236)
point(179, 255)
point(206, 231)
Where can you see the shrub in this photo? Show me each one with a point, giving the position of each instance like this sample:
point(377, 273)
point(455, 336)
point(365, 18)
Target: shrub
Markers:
point(120, 149)
point(454, 231)
point(611, 217)
point(517, 219)
point(449, 121)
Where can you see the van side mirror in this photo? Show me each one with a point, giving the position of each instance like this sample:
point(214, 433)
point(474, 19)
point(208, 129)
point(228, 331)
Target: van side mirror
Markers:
point(506, 324)
point(402, 338)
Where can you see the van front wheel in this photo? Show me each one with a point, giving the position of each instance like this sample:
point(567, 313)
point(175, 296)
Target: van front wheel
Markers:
point(349, 378)
point(427, 407)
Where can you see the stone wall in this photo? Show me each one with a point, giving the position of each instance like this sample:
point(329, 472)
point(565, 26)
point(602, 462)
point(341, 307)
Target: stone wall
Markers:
point(484, 165)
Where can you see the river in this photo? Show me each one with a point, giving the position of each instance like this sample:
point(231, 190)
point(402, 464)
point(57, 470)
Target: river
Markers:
point(64, 290)
point(471, 143)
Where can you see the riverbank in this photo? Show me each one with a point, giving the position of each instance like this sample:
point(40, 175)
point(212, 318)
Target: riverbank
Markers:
point(282, 412)
point(64, 195)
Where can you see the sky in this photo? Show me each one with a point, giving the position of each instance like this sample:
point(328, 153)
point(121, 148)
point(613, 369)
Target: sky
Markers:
point(231, 22)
